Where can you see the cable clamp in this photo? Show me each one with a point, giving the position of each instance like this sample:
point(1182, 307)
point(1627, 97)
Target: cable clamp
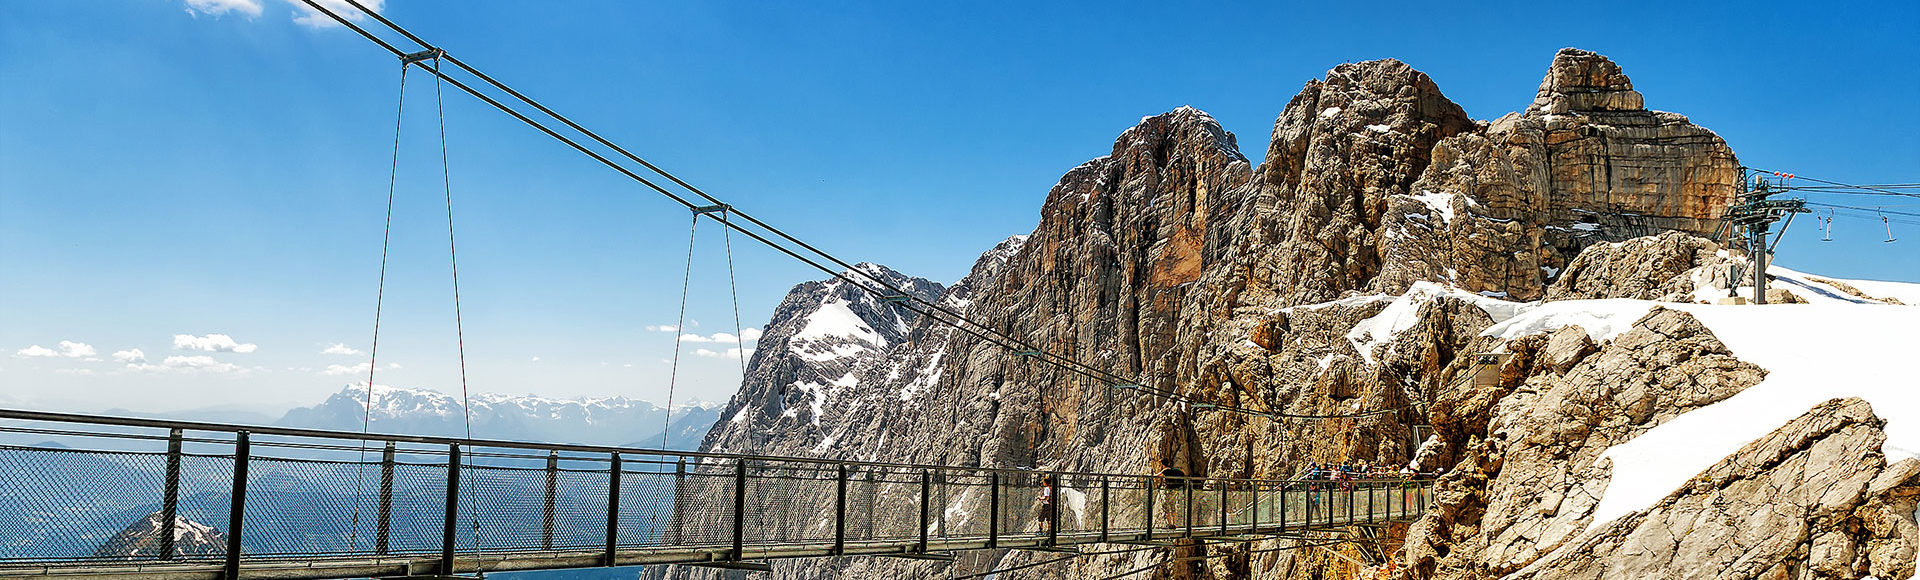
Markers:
point(431, 53)
point(711, 209)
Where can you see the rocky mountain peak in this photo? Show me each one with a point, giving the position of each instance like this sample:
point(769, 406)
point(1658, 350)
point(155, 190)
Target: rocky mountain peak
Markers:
point(1580, 81)
point(142, 539)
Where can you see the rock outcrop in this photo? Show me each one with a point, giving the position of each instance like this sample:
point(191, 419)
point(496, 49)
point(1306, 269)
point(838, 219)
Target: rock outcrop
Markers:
point(1814, 499)
point(142, 540)
point(1584, 163)
point(1348, 278)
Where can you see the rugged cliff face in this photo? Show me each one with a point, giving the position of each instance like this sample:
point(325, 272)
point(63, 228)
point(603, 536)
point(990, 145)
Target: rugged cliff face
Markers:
point(1353, 271)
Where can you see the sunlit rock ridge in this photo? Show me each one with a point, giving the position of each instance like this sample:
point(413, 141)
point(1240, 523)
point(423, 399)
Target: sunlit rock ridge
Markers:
point(1385, 238)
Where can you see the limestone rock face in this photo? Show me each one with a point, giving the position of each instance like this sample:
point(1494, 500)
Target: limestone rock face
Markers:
point(1813, 499)
point(1342, 148)
point(1352, 273)
point(1585, 81)
point(1584, 163)
point(1665, 267)
point(1529, 477)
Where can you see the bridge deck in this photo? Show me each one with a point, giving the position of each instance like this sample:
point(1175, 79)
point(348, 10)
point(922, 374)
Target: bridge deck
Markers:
point(261, 502)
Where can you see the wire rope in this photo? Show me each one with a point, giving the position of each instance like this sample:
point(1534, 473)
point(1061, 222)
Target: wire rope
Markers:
point(379, 301)
point(679, 330)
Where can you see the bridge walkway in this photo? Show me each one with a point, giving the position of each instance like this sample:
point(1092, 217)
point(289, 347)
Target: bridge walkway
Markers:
point(104, 496)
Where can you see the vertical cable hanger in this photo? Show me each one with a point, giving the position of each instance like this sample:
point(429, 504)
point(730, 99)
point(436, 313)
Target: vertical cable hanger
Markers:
point(679, 329)
point(379, 301)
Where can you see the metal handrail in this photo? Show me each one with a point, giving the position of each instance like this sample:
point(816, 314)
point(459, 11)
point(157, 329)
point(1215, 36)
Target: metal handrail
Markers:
point(808, 495)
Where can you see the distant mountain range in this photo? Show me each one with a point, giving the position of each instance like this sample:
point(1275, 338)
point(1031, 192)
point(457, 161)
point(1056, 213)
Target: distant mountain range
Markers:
point(589, 421)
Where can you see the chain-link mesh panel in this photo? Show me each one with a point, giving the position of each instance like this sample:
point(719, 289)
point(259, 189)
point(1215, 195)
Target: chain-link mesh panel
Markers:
point(304, 500)
point(419, 508)
point(1206, 506)
point(704, 506)
point(789, 503)
point(964, 495)
point(1080, 504)
point(299, 507)
point(65, 504)
point(886, 502)
point(1240, 504)
point(646, 507)
point(1128, 496)
point(1021, 508)
point(501, 509)
point(579, 508)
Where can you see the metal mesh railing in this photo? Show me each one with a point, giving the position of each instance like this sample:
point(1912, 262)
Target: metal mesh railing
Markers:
point(308, 496)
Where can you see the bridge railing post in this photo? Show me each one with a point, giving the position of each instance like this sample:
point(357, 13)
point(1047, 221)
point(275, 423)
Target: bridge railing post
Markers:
point(840, 510)
point(926, 507)
point(676, 518)
point(170, 495)
point(384, 527)
point(993, 509)
point(1222, 483)
point(1151, 516)
point(613, 508)
point(451, 522)
point(1283, 505)
point(1052, 481)
point(1253, 497)
point(546, 506)
point(739, 509)
point(1188, 488)
point(1106, 495)
point(237, 508)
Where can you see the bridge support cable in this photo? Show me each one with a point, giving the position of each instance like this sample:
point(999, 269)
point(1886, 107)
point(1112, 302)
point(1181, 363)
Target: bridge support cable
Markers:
point(379, 301)
point(679, 330)
point(787, 244)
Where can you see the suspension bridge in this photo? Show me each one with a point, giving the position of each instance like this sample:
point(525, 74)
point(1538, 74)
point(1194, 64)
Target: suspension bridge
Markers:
point(194, 500)
point(126, 497)
point(90, 496)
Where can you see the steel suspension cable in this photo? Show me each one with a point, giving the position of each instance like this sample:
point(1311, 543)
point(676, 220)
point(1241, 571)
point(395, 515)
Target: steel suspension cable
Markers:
point(733, 288)
point(913, 303)
point(679, 330)
point(453, 262)
point(379, 300)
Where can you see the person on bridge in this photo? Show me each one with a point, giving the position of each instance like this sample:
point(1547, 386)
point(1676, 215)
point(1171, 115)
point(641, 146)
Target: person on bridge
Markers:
point(1172, 479)
point(1047, 506)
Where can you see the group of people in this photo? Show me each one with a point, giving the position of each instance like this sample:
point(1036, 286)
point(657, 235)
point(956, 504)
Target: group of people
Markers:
point(1352, 471)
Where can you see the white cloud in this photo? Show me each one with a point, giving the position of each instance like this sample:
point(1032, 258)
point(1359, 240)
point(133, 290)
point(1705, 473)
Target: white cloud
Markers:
point(730, 353)
point(251, 8)
point(359, 369)
point(36, 351)
point(307, 16)
point(662, 328)
point(67, 348)
point(81, 372)
point(211, 343)
point(535, 359)
point(340, 348)
point(187, 364)
point(131, 355)
point(71, 349)
point(748, 335)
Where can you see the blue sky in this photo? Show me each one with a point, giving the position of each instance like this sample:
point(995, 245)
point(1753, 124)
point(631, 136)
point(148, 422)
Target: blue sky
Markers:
point(169, 169)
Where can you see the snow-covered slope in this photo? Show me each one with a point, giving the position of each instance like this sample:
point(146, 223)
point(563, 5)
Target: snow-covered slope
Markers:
point(1839, 344)
point(595, 421)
